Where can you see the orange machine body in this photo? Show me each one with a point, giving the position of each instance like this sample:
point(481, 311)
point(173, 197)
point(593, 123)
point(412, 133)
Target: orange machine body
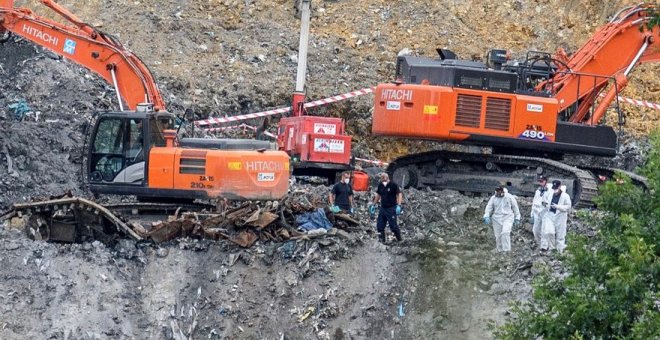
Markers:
point(121, 161)
point(237, 175)
point(438, 112)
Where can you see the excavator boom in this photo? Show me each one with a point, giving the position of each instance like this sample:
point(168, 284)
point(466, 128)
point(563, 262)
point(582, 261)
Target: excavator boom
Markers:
point(88, 47)
point(608, 57)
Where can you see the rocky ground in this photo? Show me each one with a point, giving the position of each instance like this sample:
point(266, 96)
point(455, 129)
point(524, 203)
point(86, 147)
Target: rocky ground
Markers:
point(237, 57)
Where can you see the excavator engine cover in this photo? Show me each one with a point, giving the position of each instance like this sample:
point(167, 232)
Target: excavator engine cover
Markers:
point(226, 144)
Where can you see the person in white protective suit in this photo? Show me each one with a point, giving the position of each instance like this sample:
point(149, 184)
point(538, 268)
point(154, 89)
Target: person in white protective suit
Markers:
point(538, 210)
point(557, 204)
point(503, 209)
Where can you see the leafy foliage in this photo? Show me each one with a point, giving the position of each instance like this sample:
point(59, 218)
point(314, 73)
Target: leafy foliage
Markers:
point(611, 291)
point(655, 15)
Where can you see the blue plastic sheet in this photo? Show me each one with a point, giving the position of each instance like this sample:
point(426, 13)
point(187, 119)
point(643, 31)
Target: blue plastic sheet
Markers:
point(313, 220)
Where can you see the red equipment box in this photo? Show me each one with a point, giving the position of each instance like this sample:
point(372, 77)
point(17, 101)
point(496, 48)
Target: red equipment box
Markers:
point(315, 139)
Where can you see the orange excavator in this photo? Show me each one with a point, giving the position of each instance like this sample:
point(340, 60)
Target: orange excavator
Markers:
point(135, 151)
point(530, 112)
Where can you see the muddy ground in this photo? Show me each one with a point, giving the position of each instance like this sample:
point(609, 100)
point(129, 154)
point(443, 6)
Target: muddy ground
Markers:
point(234, 57)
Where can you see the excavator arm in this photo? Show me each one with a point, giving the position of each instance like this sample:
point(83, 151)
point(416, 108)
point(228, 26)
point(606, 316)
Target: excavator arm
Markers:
point(88, 47)
point(604, 63)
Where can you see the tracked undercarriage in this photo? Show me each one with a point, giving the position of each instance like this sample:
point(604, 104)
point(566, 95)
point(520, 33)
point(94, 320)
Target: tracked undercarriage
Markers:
point(480, 173)
point(75, 219)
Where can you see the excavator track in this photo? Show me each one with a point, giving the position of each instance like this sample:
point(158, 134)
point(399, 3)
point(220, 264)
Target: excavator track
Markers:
point(480, 173)
point(609, 173)
point(74, 219)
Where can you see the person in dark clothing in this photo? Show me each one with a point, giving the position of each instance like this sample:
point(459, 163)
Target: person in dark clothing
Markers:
point(341, 196)
point(389, 196)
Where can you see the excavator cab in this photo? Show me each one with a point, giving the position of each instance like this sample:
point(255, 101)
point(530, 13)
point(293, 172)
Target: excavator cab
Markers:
point(138, 153)
point(118, 149)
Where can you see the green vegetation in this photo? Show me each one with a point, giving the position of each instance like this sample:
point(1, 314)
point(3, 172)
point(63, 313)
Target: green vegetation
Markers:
point(611, 289)
point(656, 18)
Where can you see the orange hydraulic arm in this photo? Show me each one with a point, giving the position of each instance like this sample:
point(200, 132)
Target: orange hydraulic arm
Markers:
point(606, 59)
point(88, 47)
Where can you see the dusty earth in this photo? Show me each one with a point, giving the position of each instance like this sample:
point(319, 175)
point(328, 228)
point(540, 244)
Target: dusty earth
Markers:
point(229, 57)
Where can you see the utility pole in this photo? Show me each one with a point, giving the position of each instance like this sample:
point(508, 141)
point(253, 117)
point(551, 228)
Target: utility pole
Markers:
point(298, 101)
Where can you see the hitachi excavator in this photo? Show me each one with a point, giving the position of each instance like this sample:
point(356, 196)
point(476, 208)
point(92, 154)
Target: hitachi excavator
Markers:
point(529, 112)
point(135, 151)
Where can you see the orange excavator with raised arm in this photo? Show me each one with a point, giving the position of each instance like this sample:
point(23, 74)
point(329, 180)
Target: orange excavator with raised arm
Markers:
point(530, 112)
point(135, 151)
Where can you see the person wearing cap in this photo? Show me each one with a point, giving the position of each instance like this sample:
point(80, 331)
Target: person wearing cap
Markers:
point(557, 205)
point(389, 196)
point(537, 208)
point(503, 209)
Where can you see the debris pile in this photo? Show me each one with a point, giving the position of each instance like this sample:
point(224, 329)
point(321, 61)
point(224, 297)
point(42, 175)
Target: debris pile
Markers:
point(302, 214)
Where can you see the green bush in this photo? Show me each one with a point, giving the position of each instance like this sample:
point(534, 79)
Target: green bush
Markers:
point(655, 20)
point(611, 289)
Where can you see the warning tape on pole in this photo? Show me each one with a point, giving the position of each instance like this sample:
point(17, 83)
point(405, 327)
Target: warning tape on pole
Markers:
point(314, 103)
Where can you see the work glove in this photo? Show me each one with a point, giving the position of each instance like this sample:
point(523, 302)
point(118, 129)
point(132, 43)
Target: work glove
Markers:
point(334, 209)
point(517, 222)
point(372, 211)
point(487, 220)
point(398, 210)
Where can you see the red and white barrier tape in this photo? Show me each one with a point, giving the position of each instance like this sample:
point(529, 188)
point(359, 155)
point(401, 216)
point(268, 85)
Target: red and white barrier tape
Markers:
point(315, 103)
point(379, 163)
point(340, 97)
point(242, 126)
point(223, 120)
point(640, 102)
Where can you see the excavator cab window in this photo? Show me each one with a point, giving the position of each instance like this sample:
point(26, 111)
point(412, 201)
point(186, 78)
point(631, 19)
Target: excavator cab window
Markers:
point(118, 151)
point(135, 151)
point(157, 124)
point(107, 156)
